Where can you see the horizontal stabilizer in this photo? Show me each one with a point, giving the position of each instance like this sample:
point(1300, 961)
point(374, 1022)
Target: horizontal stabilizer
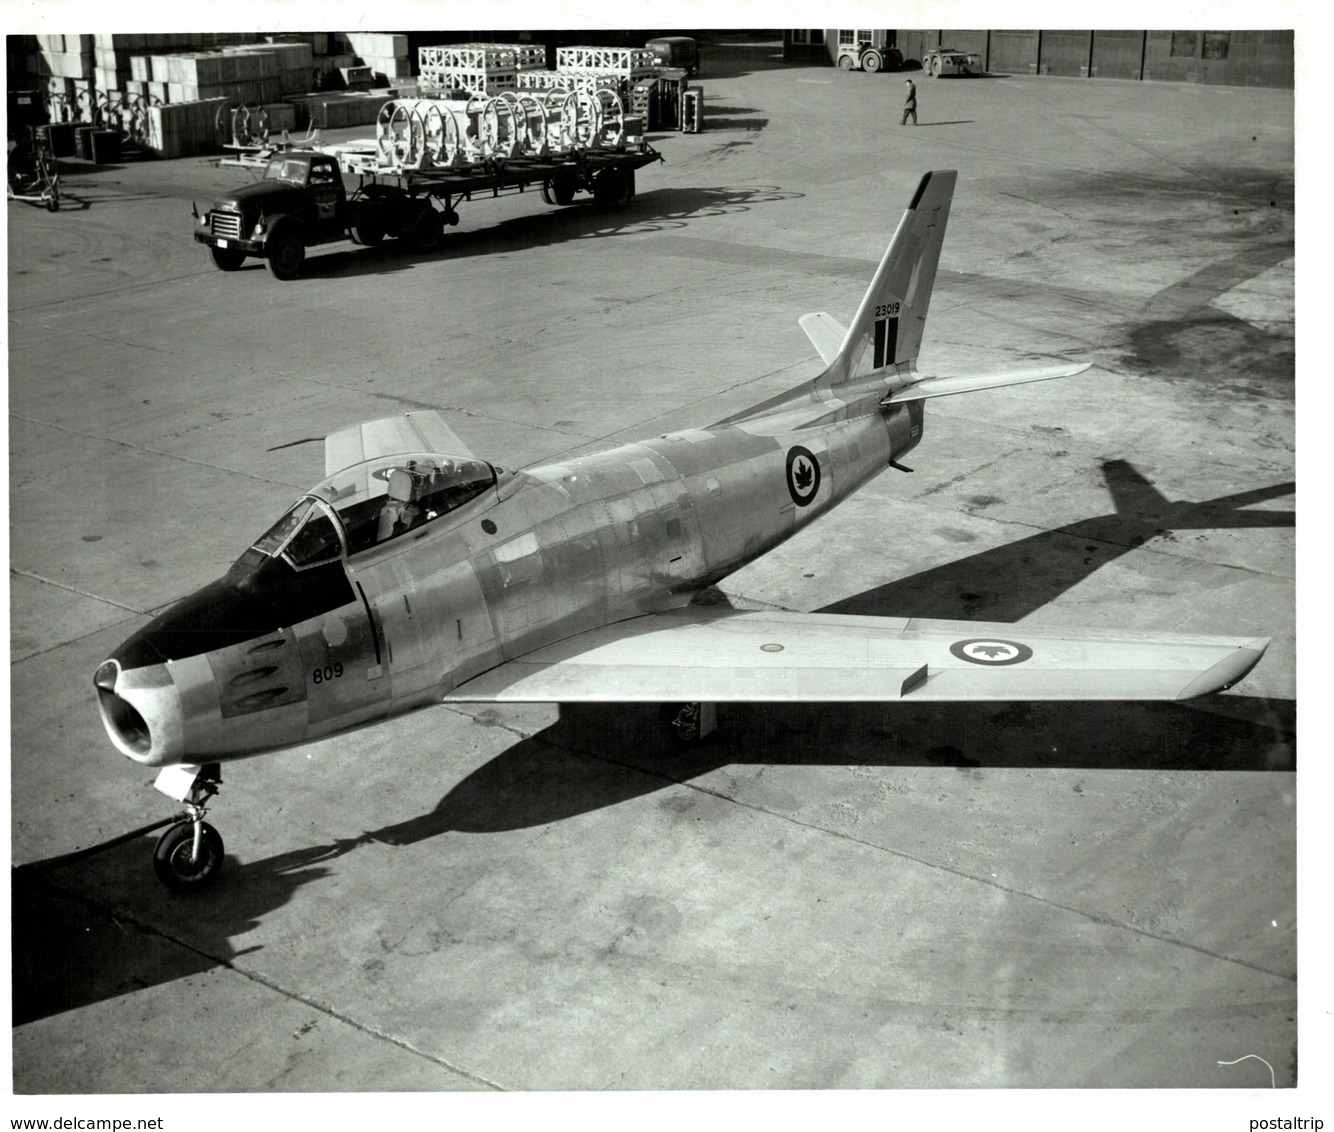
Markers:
point(825, 332)
point(756, 657)
point(424, 431)
point(923, 387)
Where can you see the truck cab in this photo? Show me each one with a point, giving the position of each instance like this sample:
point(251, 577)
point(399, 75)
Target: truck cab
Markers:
point(299, 202)
point(675, 51)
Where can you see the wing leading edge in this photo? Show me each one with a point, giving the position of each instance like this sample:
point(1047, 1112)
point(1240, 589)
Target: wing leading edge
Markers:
point(722, 656)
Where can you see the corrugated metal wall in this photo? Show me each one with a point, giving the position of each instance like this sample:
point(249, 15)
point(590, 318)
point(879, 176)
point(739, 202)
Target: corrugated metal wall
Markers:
point(964, 41)
point(1118, 55)
point(1237, 58)
point(1229, 58)
point(1065, 53)
point(1014, 52)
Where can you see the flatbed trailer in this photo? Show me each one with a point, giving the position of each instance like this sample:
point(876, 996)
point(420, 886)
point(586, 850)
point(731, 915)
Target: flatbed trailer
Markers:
point(304, 199)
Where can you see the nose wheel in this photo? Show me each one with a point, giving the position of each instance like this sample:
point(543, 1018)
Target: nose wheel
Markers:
point(188, 857)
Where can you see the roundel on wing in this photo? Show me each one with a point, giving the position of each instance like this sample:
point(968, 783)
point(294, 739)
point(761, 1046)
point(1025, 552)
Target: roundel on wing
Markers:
point(803, 475)
point(991, 651)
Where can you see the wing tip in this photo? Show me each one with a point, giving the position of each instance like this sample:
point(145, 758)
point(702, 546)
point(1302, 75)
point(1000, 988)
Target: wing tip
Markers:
point(1229, 671)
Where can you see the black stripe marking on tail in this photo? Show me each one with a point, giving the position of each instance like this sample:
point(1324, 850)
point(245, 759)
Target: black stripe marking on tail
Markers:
point(886, 339)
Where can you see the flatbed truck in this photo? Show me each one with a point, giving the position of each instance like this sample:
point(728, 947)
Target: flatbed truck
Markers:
point(304, 200)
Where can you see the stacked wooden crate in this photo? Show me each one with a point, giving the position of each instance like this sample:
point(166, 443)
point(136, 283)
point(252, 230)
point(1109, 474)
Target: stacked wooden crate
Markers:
point(334, 110)
point(568, 80)
point(607, 68)
point(480, 68)
point(386, 55)
point(185, 129)
point(633, 63)
point(62, 66)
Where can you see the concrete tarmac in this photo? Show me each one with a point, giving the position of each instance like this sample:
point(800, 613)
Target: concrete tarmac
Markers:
point(821, 897)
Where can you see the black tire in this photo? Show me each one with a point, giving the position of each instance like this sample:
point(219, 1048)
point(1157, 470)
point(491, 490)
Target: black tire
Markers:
point(546, 192)
point(424, 230)
point(682, 722)
point(563, 187)
point(872, 62)
point(846, 63)
point(172, 863)
point(614, 188)
point(53, 204)
point(227, 259)
point(368, 234)
point(286, 252)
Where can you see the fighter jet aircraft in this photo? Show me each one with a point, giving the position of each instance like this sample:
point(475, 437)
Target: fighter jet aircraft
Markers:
point(418, 573)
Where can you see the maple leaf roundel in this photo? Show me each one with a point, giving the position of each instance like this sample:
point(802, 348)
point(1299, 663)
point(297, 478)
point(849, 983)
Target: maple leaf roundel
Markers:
point(803, 475)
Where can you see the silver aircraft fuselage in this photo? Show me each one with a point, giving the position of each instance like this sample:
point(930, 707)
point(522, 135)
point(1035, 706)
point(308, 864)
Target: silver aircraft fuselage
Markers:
point(272, 656)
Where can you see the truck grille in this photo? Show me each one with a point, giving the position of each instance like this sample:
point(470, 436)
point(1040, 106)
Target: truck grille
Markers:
point(225, 224)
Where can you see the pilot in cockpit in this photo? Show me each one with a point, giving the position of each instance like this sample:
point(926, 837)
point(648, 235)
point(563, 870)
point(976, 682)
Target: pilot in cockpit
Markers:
point(400, 512)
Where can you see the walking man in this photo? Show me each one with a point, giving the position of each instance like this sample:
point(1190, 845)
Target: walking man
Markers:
point(910, 106)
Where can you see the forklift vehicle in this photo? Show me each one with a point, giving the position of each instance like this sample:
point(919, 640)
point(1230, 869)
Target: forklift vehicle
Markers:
point(864, 56)
point(951, 61)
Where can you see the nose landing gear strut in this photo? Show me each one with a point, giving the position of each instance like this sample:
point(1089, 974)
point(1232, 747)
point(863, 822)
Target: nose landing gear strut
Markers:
point(188, 856)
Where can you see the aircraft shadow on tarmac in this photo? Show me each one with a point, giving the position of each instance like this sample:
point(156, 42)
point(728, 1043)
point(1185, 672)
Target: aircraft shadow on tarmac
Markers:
point(71, 951)
point(656, 210)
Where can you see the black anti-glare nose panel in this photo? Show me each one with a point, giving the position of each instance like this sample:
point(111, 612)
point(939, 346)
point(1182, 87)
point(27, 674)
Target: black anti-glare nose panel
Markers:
point(230, 612)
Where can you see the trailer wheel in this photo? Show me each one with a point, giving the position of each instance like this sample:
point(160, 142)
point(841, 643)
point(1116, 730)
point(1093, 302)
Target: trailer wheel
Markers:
point(935, 67)
point(368, 234)
point(286, 252)
point(227, 259)
point(563, 187)
point(871, 61)
point(614, 188)
point(423, 229)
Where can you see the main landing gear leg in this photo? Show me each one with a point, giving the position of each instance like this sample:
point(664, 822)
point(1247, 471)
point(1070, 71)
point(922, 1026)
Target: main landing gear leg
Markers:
point(695, 721)
point(188, 856)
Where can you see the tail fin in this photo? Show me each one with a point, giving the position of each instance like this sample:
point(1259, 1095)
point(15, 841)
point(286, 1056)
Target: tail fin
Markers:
point(887, 330)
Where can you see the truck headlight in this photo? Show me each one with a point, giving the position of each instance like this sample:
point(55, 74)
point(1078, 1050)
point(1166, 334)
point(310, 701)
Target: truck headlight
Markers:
point(259, 228)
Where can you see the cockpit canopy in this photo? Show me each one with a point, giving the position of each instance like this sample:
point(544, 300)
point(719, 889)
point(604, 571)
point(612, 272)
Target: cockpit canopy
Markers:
point(371, 503)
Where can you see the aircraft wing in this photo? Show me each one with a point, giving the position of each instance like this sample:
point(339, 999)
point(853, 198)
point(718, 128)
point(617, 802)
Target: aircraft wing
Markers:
point(825, 332)
point(412, 432)
point(729, 655)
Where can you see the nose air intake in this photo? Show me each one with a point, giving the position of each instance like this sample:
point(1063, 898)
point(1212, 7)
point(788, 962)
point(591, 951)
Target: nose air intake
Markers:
point(124, 724)
point(141, 711)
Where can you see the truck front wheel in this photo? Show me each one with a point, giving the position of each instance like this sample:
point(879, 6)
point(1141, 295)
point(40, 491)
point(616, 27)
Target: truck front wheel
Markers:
point(286, 252)
point(227, 259)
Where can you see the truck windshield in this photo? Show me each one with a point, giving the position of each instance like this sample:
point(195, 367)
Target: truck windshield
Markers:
point(293, 170)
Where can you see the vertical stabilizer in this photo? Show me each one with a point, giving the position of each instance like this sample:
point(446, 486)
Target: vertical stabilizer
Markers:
point(888, 328)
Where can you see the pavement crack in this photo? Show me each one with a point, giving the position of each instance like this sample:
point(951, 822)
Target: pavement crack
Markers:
point(148, 450)
point(273, 985)
point(73, 590)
